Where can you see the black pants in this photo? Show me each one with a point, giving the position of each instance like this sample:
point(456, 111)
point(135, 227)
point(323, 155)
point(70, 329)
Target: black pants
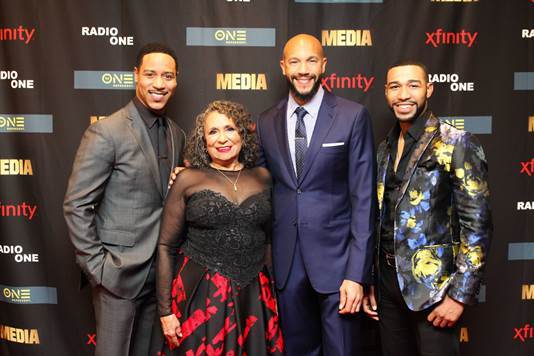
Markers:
point(407, 333)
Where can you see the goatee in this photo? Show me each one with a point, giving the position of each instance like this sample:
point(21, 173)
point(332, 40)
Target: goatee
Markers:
point(307, 96)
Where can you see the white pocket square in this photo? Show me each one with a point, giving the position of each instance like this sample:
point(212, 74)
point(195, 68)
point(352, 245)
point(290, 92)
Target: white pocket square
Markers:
point(333, 144)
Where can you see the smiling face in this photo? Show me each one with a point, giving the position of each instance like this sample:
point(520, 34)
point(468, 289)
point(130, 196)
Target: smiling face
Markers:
point(222, 140)
point(407, 91)
point(155, 80)
point(303, 64)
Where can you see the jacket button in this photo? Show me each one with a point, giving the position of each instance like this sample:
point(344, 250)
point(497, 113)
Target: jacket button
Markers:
point(299, 191)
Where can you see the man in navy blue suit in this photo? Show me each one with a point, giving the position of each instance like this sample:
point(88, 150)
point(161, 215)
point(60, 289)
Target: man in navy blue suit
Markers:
point(319, 149)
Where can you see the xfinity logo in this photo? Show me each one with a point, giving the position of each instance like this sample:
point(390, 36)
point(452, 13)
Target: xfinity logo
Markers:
point(527, 167)
point(524, 333)
point(17, 34)
point(441, 38)
point(357, 82)
point(18, 210)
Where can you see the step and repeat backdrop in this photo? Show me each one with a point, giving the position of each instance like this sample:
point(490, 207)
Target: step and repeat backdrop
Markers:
point(65, 64)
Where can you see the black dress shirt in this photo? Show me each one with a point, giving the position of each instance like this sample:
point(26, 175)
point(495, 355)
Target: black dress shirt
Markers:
point(393, 179)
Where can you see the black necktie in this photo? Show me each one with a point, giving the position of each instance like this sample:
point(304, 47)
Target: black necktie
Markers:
point(164, 166)
point(301, 141)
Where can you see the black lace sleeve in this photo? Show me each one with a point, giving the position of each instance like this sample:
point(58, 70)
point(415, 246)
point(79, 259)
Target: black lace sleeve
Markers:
point(171, 236)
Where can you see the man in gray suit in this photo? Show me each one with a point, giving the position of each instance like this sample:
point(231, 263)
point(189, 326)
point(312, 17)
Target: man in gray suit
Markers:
point(114, 201)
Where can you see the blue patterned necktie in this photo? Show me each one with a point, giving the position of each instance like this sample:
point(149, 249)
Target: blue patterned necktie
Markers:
point(301, 141)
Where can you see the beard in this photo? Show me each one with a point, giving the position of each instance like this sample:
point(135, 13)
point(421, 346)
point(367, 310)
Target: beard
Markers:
point(305, 97)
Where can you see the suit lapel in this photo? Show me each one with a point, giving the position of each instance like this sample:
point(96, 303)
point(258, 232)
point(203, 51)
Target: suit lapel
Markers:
point(383, 161)
point(325, 119)
point(431, 129)
point(280, 128)
point(141, 136)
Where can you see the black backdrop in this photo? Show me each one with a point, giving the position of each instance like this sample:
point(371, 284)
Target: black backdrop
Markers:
point(46, 102)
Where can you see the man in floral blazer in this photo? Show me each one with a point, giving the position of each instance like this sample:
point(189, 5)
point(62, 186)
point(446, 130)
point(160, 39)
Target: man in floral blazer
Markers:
point(435, 222)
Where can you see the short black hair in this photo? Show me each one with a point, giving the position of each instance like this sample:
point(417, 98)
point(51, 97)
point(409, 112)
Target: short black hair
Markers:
point(408, 62)
point(155, 47)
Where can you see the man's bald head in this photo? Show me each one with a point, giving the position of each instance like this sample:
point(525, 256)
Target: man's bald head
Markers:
point(303, 63)
point(303, 40)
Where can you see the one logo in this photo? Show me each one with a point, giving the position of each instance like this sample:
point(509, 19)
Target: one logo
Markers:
point(523, 333)
point(531, 124)
point(527, 167)
point(346, 38)
point(527, 292)
point(16, 167)
point(89, 79)
point(12, 123)
point(18, 210)
point(357, 82)
point(20, 336)
point(442, 38)
point(218, 36)
point(14, 82)
point(17, 34)
point(453, 79)
point(473, 124)
point(111, 32)
point(241, 81)
point(520, 251)
point(525, 205)
point(524, 81)
point(18, 254)
point(527, 33)
point(28, 295)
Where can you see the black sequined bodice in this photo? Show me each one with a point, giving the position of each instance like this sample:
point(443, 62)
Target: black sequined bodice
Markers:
point(225, 236)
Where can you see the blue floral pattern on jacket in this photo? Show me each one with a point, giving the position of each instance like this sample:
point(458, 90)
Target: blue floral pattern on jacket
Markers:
point(443, 220)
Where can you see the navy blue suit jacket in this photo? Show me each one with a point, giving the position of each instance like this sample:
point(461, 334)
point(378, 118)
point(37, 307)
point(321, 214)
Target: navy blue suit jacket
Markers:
point(331, 208)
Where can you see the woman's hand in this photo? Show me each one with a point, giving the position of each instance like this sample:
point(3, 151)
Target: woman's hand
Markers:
point(171, 329)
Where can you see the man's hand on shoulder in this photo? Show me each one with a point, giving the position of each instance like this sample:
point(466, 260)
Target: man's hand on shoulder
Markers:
point(350, 297)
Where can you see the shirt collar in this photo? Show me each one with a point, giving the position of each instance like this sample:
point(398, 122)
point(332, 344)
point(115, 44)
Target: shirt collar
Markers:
point(149, 117)
point(312, 106)
point(415, 131)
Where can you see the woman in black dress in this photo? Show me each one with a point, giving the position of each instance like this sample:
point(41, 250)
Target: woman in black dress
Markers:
point(215, 294)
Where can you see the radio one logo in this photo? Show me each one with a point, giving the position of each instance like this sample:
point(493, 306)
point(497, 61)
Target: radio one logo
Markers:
point(16, 167)
point(20, 33)
point(527, 32)
point(18, 254)
point(219, 36)
point(347, 38)
point(21, 336)
point(111, 32)
point(28, 295)
point(442, 38)
point(473, 124)
point(92, 79)
point(453, 79)
point(241, 81)
point(525, 205)
point(14, 82)
point(12, 123)
point(356, 82)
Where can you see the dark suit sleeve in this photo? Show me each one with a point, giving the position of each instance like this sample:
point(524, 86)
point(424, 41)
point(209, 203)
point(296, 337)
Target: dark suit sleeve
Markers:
point(92, 167)
point(261, 161)
point(471, 198)
point(362, 188)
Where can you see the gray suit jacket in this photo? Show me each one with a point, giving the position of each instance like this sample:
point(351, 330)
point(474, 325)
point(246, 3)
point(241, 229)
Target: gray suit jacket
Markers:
point(114, 200)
